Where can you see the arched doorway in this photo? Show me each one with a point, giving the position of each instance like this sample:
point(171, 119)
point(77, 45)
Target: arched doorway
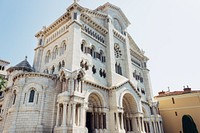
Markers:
point(188, 124)
point(130, 121)
point(95, 117)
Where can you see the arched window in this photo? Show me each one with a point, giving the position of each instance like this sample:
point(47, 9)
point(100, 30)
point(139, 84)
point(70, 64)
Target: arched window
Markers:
point(83, 43)
point(100, 72)
point(93, 69)
point(55, 52)
point(102, 57)
point(59, 66)
point(31, 96)
point(118, 69)
point(86, 66)
point(117, 25)
point(52, 70)
point(63, 63)
point(82, 64)
point(14, 96)
point(92, 51)
point(173, 101)
point(63, 47)
point(48, 55)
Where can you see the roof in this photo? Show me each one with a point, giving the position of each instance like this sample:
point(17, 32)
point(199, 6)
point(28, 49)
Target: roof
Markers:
point(185, 91)
point(6, 62)
point(101, 8)
point(23, 65)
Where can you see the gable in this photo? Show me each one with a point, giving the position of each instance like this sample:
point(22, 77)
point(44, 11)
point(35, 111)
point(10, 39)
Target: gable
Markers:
point(115, 12)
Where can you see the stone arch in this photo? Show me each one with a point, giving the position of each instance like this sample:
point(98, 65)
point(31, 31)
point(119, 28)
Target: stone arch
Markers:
point(48, 56)
point(117, 25)
point(92, 51)
point(97, 93)
point(95, 115)
point(132, 100)
point(129, 104)
point(55, 52)
point(129, 116)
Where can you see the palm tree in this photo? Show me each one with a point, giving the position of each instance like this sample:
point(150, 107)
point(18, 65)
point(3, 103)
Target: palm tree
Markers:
point(2, 83)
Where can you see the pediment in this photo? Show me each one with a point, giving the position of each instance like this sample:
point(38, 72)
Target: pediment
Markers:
point(130, 85)
point(114, 12)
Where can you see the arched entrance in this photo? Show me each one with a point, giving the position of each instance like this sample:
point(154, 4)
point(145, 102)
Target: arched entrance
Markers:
point(188, 124)
point(95, 117)
point(130, 121)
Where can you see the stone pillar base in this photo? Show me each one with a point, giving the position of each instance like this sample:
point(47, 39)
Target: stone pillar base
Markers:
point(60, 129)
point(69, 129)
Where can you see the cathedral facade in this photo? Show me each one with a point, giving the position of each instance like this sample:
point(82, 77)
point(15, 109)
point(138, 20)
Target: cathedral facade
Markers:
point(88, 76)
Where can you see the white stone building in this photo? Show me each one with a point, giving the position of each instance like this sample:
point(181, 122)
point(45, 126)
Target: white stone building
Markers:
point(88, 76)
point(3, 67)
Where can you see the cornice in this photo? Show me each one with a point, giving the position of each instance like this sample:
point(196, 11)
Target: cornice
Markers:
point(87, 19)
point(83, 31)
point(119, 36)
point(95, 85)
point(134, 49)
point(6, 62)
point(113, 87)
point(184, 95)
point(96, 13)
point(33, 74)
point(56, 24)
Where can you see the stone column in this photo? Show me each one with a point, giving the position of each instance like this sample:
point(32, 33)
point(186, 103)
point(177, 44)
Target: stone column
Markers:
point(139, 124)
point(81, 86)
point(122, 121)
point(78, 116)
point(155, 127)
point(101, 120)
point(69, 114)
point(142, 121)
point(134, 124)
point(75, 85)
point(58, 115)
point(42, 106)
point(117, 117)
point(73, 113)
point(83, 115)
point(97, 120)
point(161, 125)
point(64, 114)
point(92, 121)
point(128, 122)
point(145, 127)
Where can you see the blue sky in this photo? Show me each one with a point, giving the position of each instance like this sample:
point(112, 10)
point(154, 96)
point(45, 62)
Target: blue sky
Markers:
point(168, 31)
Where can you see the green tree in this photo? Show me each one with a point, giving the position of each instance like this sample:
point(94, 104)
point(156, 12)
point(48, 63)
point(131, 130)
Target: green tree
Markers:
point(2, 83)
